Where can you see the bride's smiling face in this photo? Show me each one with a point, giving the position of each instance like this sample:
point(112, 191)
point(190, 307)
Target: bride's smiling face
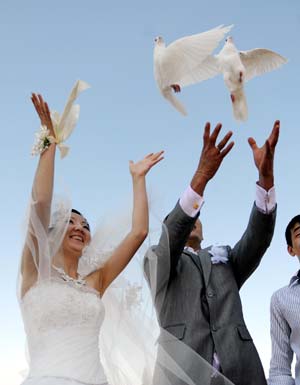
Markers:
point(77, 235)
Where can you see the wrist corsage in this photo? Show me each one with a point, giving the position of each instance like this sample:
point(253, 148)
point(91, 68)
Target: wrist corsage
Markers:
point(63, 125)
point(43, 139)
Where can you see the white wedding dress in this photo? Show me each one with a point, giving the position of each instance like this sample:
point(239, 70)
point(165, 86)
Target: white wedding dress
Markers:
point(70, 339)
point(62, 319)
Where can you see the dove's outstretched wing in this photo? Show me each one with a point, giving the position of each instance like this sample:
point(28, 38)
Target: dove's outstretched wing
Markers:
point(258, 61)
point(183, 56)
point(209, 68)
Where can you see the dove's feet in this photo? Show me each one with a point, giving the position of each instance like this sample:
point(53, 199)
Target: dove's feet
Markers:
point(176, 87)
point(232, 98)
point(241, 77)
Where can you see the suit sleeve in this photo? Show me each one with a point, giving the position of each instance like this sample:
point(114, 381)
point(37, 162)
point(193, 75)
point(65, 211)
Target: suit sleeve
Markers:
point(161, 261)
point(248, 252)
point(282, 354)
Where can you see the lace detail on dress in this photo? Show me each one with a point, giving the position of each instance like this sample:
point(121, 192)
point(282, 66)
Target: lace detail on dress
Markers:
point(62, 321)
point(133, 296)
point(80, 281)
point(56, 304)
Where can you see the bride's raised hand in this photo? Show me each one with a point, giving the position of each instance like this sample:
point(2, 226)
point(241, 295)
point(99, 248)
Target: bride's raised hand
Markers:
point(43, 112)
point(140, 222)
point(141, 167)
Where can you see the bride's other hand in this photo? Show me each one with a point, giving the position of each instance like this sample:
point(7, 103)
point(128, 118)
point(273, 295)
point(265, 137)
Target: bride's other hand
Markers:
point(142, 167)
point(139, 227)
point(43, 112)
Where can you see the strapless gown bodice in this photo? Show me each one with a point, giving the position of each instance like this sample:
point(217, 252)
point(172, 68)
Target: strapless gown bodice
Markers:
point(62, 323)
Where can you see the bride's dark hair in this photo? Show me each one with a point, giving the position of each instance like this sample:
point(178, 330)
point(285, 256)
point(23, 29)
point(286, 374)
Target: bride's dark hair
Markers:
point(79, 213)
point(76, 212)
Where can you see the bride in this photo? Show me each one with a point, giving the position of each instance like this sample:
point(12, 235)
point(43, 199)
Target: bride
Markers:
point(63, 310)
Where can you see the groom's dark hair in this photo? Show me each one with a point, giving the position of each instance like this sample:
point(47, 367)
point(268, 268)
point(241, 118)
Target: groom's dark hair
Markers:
point(288, 235)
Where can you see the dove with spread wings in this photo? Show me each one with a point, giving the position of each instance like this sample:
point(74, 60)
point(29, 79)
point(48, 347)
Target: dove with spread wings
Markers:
point(239, 67)
point(179, 64)
point(188, 61)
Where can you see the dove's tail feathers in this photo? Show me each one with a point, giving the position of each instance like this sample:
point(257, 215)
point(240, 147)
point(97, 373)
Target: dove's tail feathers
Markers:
point(239, 105)
point(175, 102)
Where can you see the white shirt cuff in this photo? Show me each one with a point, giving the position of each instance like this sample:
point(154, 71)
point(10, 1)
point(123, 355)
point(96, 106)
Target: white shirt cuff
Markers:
point(191, 202)
point(265, 200)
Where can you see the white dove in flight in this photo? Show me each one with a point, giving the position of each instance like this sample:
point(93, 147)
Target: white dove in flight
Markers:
point(179, 64)
point(238, 67)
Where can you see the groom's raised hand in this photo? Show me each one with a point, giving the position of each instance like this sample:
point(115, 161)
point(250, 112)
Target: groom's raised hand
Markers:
point(264, 157)
point(211, 157)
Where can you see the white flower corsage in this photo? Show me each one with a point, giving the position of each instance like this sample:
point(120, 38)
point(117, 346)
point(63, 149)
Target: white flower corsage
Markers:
point(219, 254)
point(42, 141)
point(63, 125)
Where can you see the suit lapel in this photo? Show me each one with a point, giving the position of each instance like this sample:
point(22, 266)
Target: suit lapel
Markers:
point(195, 258)
point(205, 260)
point(202, 261)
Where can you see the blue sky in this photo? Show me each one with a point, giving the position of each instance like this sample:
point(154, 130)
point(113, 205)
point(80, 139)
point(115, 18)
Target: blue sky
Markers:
point(46, 46)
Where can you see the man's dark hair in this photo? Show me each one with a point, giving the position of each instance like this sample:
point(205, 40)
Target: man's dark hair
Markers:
point(288, 235)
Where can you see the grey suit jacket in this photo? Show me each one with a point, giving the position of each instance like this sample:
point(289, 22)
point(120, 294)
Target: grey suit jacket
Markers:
point(201, 305)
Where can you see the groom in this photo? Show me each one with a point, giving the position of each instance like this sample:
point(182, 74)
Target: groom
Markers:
point(196, 291)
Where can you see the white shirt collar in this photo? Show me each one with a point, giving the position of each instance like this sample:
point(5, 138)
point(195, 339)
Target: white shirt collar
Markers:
point(191, 250)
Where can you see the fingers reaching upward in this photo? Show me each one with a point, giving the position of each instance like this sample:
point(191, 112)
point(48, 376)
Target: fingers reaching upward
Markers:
point(43, 111)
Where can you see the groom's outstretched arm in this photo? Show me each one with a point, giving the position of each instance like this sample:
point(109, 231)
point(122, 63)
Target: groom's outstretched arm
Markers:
point(161, 260)
point(247, 253)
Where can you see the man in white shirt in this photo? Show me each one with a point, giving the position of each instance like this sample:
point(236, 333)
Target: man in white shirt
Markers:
point(196, 291)
point(285, 319)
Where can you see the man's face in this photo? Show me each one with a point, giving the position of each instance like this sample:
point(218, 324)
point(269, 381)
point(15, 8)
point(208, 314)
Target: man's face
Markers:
point(295, 235)
point(196, 232)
